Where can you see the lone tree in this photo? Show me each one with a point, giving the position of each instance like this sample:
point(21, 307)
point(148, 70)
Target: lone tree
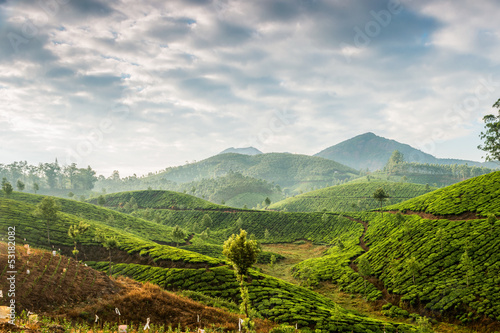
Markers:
point(6, 186)
point(491, 135)
point(75, 232)
point(414, 267)
point(396, 158)
point(108, 242)
point(242, 253)
point(178, 235)
point(20, 185)
point(47, 210)
point(206, 221)
point(380, 196)
point(101, 201)
point(365, 269)
point(36, 187)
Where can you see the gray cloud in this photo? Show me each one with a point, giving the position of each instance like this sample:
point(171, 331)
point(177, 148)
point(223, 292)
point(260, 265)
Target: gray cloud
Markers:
point(194, 77)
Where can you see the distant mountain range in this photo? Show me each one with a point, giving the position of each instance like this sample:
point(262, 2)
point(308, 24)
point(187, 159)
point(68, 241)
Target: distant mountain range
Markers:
point(243, 151)
point(369, 151)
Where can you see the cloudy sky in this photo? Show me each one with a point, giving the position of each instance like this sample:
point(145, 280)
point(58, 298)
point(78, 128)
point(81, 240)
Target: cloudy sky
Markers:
point(141, 85)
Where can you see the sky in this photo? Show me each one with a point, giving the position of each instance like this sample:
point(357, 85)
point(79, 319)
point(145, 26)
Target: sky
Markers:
point(141, 86)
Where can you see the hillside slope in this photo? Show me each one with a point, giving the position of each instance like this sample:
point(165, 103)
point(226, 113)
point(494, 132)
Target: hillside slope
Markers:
point(285, 169)
point(350, 197)
point(58, 286)
point(369, 151)
point(479, 195)
point(158, 200)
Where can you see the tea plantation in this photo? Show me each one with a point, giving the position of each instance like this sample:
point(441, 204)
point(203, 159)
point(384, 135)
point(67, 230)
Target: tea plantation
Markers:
point(478, 195)
point(350, 197)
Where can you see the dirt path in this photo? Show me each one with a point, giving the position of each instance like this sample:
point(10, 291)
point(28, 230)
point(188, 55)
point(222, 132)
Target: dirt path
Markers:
point(372, 279)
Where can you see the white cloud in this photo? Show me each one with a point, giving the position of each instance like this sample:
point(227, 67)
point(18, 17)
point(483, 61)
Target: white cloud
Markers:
point(196, 79)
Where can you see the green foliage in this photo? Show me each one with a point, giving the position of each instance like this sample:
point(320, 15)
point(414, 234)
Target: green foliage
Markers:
point(478, 195)
point(491, 135)
point(156, 199)
point(349, 197)
point(6, 186)
point(439, 281)
point(270, 297)
point(467, 266)
point(241, 252)
point(380, 196)
point(75, 232)
point(178, 235)
point(20, 185)
point(47, 210)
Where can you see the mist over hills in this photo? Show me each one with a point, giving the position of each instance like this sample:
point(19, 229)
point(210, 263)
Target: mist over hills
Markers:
point(370, 151)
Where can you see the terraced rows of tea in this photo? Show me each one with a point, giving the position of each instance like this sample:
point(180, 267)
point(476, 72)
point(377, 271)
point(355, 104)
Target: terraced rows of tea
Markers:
point(350, 197)
point(420, 265)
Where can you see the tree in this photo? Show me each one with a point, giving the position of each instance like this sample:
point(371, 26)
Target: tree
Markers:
point(47, 210)
point(101, 201)
point(414, 267)
point(380, 196)
point(108, 242)
point(242, 253)
point(205, 235)
point(272, 262)
point(467, 266)
point(75, 232)
point(365, 269)
point(36, 187)
point(267, 201)
point(206, 221)
point(178, 235)
point(396, 158)
point(71, 194)
point(6, 186)
point(20, 185)
point(491, 135)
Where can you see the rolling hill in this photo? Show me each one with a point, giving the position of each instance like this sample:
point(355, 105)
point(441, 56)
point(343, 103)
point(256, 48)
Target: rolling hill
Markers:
point(61, 287)
point(369, 151)
point(287, 170)
point(350, 197)
point(479, 195)
point(440, 257)
point(177, 269)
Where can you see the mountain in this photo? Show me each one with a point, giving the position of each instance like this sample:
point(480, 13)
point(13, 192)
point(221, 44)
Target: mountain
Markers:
point(371, 151)
point(287, 170)
point(243, 151)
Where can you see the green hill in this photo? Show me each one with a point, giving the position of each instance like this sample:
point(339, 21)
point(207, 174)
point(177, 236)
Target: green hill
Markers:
point(369, 151)
point(445, 265)
point(350, 197)
point(287, 170)
point(177, 269)
point(135, 236)
point(479, 195)
point(234, 189)
point(156, 199)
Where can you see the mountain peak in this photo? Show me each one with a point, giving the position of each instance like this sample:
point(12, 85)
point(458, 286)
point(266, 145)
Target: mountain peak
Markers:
point(243, 151)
